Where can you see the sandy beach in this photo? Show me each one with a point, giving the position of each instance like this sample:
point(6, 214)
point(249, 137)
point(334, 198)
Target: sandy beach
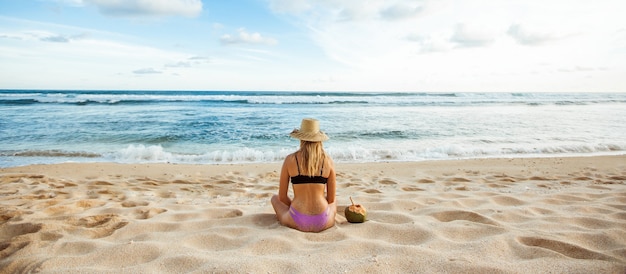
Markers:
point(522, 215)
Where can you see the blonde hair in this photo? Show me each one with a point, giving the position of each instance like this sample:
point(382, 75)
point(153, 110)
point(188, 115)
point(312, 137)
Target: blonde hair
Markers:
point(313, 156)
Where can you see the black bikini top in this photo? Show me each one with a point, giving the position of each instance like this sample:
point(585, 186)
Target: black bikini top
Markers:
point(303, 179)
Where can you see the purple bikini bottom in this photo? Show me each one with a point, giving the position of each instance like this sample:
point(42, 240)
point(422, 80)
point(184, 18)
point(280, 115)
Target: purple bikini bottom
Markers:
point(309, 222)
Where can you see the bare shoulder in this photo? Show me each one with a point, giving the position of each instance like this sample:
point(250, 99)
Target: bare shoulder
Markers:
point(290, 158)
point(330, 162)
point(290, 163)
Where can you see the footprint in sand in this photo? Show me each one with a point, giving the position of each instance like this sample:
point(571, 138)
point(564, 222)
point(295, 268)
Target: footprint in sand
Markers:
point(266, 195)
point(507, 201)
point(79, 248)
point(494, 185)
point(271, 188)
point(10, 231)
point(224, 182)
point(410, 188)
point(181, 182)
point(566, 249)
point(9, 192)
point(144, 214)
point(372, 191)
point(97, 226)
point(347, 185)
point(387, 182)
point(13, 239)
point(166, 194)
point(86, 204)
point(150, 183)
point(7, 249)
point(599, 187)
point(459, 180)
point(455, 215)
point(224, 213)
point(134, 204)
point(263, 220)
point(7, 214)
point(603, 182)
point(540, 178)
point(618, 178)
point(102, 183)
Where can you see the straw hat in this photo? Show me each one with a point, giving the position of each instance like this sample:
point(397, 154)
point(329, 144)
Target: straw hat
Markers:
point(309, 131)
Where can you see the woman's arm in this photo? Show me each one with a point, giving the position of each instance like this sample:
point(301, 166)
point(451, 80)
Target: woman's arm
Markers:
point(331, 185)
point(283, 187)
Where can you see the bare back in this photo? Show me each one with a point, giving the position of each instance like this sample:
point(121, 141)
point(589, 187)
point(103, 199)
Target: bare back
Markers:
point(310, 198)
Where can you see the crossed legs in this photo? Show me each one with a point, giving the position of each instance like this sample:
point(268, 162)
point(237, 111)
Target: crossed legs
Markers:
point(285, 217)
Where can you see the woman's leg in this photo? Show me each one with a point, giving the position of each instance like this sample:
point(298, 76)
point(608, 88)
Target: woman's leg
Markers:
point(282, 212)
point(284, 217)
point(332, 212)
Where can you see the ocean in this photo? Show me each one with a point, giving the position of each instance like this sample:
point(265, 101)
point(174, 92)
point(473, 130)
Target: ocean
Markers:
point(215, 127)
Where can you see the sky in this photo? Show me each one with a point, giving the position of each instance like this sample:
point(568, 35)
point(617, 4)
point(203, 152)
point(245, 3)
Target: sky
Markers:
point(314, 45)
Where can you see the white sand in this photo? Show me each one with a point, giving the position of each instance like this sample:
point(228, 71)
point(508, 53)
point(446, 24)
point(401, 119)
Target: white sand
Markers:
point(547, 215)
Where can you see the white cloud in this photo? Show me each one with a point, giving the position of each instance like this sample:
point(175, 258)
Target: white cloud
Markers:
point(55, 39)
point(290, 6)
point(400, 11)
point(108, 60)
point(43, 36)
point(146, 71)
point(244, 37)
point(430, 44)
point(179, 64)
point(435, 45)
point(190, 62)
point(466, 36)
point(199, 59)
point(70, 2)
point(101, 60)
point(460, 45)
point(531, 38)
point(131, 8)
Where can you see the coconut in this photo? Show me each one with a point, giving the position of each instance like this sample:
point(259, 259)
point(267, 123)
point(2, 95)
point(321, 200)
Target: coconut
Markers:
point(355, 213)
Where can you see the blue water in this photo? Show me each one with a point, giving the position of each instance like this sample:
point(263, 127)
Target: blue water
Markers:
point(39, 126)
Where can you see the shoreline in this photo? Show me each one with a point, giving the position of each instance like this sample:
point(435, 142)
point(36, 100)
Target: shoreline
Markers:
point(439, 165)
point(342, 162)
point(546, 214)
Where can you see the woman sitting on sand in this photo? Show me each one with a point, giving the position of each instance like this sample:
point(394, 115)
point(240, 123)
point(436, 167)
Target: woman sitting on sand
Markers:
point(312, 174)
